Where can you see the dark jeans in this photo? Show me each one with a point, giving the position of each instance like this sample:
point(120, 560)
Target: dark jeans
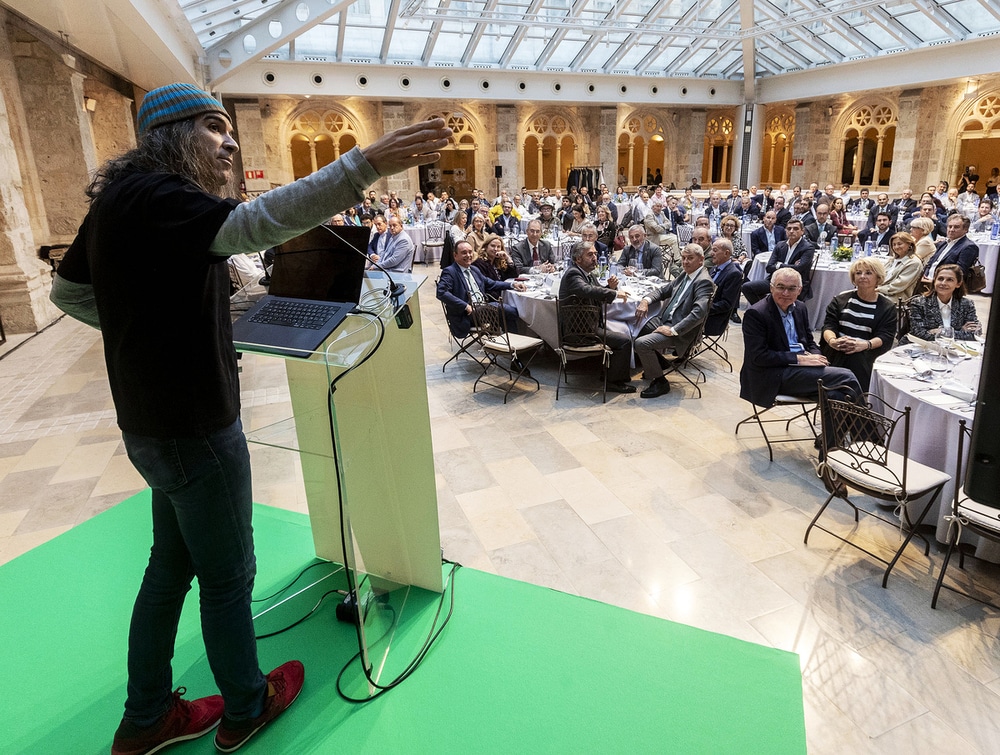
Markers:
point(202, 508)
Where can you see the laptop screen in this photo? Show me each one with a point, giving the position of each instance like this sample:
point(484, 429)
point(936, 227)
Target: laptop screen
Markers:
point(323, 264)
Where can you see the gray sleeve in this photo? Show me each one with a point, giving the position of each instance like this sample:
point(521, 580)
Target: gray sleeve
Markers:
point(76, 300)
point(287, 211)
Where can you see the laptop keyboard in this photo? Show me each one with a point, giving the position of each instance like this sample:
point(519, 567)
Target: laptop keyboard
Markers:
point(295, 314)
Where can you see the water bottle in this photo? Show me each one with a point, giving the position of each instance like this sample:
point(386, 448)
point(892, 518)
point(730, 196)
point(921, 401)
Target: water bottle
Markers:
point(995, 231)
point(613, 269)
point(857, 250)
point(833, 245)
point(602, 265)
point(869, 247)
point(567, 260)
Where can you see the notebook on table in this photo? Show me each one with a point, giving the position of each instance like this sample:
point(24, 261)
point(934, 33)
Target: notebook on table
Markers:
point(315, 283)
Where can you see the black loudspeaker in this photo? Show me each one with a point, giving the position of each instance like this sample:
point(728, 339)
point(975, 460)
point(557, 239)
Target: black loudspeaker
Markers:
point(498, 171)
point(982, 478)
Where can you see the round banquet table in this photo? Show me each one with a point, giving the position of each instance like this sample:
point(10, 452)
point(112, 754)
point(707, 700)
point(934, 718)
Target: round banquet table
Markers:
point(934, 429)
point(829, 280)
point(417, 234)
point(536, 307)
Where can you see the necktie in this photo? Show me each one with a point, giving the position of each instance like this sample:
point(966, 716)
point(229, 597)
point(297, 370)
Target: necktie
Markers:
point(475, 294)
point(676, 298)
point(534, 256)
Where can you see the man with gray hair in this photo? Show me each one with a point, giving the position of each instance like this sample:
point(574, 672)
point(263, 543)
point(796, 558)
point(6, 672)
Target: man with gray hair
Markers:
point(641, 257)
point(659, 229)
point(683, 317)
point(578, 281)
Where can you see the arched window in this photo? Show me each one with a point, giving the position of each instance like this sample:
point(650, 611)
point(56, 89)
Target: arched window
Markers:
point(455, 172)
point(978, 145)
point(717, 163)
point(641, 149)
point(868, 141)
point(318, 138)
point(549, 150)
point(776, 158)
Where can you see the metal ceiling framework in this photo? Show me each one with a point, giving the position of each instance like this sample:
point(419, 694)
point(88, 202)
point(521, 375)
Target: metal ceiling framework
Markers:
point(706, 39)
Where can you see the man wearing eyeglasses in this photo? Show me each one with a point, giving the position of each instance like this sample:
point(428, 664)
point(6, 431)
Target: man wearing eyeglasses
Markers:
point(779, 352)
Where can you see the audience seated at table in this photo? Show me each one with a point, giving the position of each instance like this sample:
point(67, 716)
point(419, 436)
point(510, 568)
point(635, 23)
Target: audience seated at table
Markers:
point(461, 283)
point(985, 217)
point(860, 324)
point(687, 299)
point(957, 248)
point(727, 277)
point(397, 255)
point(550, 223)
point(493, 261)
point(904, 269)
point(379, 237)
point(762, 241)
point(477, 236)
point(921, 229)
point(779, 352)
point(796, 252)
point(730, 229)
point(580, 282)
point(507, 222)
point(838, 216)
point(945, 306)
point(533, 253)
point(607, 229)
point(641, 256)
point(458, 230)
point(880, 233)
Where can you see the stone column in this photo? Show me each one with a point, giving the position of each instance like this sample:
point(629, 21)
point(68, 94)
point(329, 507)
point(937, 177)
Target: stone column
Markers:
point(905, 148)
point(692, 152)
point(507, 150)
point(393, 117)
point(24, 279)
point(801, 174)
point(253, 152)
point(609, 145)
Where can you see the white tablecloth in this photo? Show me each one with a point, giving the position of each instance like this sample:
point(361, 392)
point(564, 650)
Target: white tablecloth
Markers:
point(988, 252)
point(827, 282)
point(934, 430)
point(537, 309)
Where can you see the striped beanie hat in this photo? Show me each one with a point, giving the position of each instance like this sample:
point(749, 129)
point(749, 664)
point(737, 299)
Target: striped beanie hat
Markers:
point(175, 102)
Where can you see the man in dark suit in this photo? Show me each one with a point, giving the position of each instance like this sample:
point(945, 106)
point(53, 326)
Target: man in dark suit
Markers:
point(796, 252)
point(956, 249)
point(577, 281)
point(818, 228)
point(779, 352)
point(641, 255)
point(905, 207)
point(533, 252)
point(781, 213)
point(880, 233)
point(380, 235)
point(506, 223)
point(882, 204)
point(747, 210)
point(727, 277)
point(461, 284)
point(687, 298)
point(862, 204)
point(769, 235)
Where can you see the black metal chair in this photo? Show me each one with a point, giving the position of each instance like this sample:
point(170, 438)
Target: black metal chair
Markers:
point(462, 345)
point(581, 336)
point(807, 410)
point(856, 439)
point(712, 342)
point(966, 515)
point(497, 341)
point(682, 364)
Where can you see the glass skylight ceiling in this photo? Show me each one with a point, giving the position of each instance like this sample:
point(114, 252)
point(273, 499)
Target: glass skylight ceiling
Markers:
point(704, 38)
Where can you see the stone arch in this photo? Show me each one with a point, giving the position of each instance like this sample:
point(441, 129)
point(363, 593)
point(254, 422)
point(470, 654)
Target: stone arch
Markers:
point(777, 145)
point(549, 146)
point(318, 135)
point(457, 167)
point(643, 136)
point(975, 119)
point(720, 133)
point(867, 138)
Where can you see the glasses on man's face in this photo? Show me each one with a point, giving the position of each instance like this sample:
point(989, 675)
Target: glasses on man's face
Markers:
point(786, 289)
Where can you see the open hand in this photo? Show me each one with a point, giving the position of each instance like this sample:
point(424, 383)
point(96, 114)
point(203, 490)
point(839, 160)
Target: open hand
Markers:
point(408, 147)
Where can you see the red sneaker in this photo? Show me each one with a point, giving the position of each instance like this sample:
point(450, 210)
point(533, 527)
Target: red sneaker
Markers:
point(283, 686)
point(186, 719)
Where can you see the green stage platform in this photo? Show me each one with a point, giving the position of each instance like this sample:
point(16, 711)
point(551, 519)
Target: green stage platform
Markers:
point(520, 669)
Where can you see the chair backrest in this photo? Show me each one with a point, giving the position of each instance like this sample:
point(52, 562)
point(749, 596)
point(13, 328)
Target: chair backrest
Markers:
point(863, 432)
point(807, 283)
point(684, 232)
point(692, 348)
point(580, 322)
point(434, 232)
point(903, 318)
point(488, 318)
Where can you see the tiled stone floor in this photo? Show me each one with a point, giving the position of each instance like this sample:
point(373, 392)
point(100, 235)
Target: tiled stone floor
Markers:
point(651, 505)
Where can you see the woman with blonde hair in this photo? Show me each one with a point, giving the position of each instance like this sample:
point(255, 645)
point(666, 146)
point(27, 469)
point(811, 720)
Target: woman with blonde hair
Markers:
point(860, 323)
point(921, 229)
point(477, 236)
point(493, 261)
point(903, 273)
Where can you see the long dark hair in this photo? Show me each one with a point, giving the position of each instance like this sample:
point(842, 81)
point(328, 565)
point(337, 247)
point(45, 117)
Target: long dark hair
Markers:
point(960, 291)
point(170, 148)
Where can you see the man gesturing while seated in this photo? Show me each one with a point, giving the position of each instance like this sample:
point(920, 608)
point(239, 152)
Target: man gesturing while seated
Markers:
point(687, 298)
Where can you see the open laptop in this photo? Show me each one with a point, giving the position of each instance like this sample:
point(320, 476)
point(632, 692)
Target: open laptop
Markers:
point(315, 283)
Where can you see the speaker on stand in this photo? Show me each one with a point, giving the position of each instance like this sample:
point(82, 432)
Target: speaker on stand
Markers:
point(498, 174)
